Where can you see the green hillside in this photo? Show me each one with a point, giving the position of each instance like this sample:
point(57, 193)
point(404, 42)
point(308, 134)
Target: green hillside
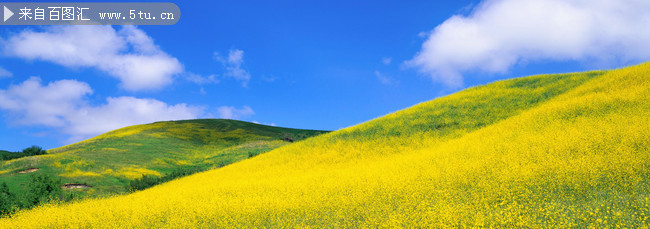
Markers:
point(547, 151)
point(110, 161)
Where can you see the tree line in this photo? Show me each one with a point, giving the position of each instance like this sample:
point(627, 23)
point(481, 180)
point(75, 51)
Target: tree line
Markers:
point(31, 151)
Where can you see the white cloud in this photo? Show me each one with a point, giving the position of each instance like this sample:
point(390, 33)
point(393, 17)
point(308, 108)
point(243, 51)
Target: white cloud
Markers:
point(63, 105)
point(268, 124)
point(384, 79)
point(232, 65)
point(386, 60)
point(229, 112)
point(125, 111)
point(128, 54)
point(501, 33)
point(236, 57)
point(32, 103)
point(269, 78)
point(4, 73)
point(199, 79)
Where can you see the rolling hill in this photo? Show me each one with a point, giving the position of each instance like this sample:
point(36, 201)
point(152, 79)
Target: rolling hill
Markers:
point(547, 151)
point(107, 163)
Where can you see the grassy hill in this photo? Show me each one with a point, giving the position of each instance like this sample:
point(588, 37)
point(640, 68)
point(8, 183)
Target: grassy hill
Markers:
point(110, 161)
point(546, 151)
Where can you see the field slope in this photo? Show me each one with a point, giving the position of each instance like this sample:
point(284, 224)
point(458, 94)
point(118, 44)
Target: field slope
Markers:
point(544, 151)
point(110, 161)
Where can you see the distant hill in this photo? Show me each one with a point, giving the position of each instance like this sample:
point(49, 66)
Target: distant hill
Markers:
point(108, 162)
point(547, 151)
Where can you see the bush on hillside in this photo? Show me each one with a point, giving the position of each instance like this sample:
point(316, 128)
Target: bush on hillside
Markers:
point(34, 150)
point(144, 182)
point(42, 188)
point(147, 181)
point(7, 200)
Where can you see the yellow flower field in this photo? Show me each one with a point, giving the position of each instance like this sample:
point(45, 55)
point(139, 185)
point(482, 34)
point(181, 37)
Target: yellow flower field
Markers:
point(548, 151)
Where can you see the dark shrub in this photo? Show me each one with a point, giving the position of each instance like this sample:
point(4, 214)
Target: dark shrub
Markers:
point(7, 200)
point(42, 188)
point(147, 181)
point(34, 150)
point(144, 182)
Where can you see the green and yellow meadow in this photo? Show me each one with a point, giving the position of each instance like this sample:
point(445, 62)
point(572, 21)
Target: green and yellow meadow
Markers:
point(548, 151)
point(110, 161)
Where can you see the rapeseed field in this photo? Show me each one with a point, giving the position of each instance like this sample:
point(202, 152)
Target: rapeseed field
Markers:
point(548, 151)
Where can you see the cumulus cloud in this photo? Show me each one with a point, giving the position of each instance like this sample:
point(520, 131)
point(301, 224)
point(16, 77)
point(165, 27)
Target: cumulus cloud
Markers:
point(125, 111)
point(229, 112)
point(4, 73)
point(232, 65)
point(501, 33)
point(64, 105)
point(128, 54)
point(32, 103)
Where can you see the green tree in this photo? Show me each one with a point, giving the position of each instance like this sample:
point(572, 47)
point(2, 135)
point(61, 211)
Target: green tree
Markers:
point(43, 188)
point(34, 150)
point(6, 200)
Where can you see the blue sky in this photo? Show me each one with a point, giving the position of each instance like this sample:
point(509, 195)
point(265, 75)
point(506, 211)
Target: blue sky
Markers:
point(301, 64)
